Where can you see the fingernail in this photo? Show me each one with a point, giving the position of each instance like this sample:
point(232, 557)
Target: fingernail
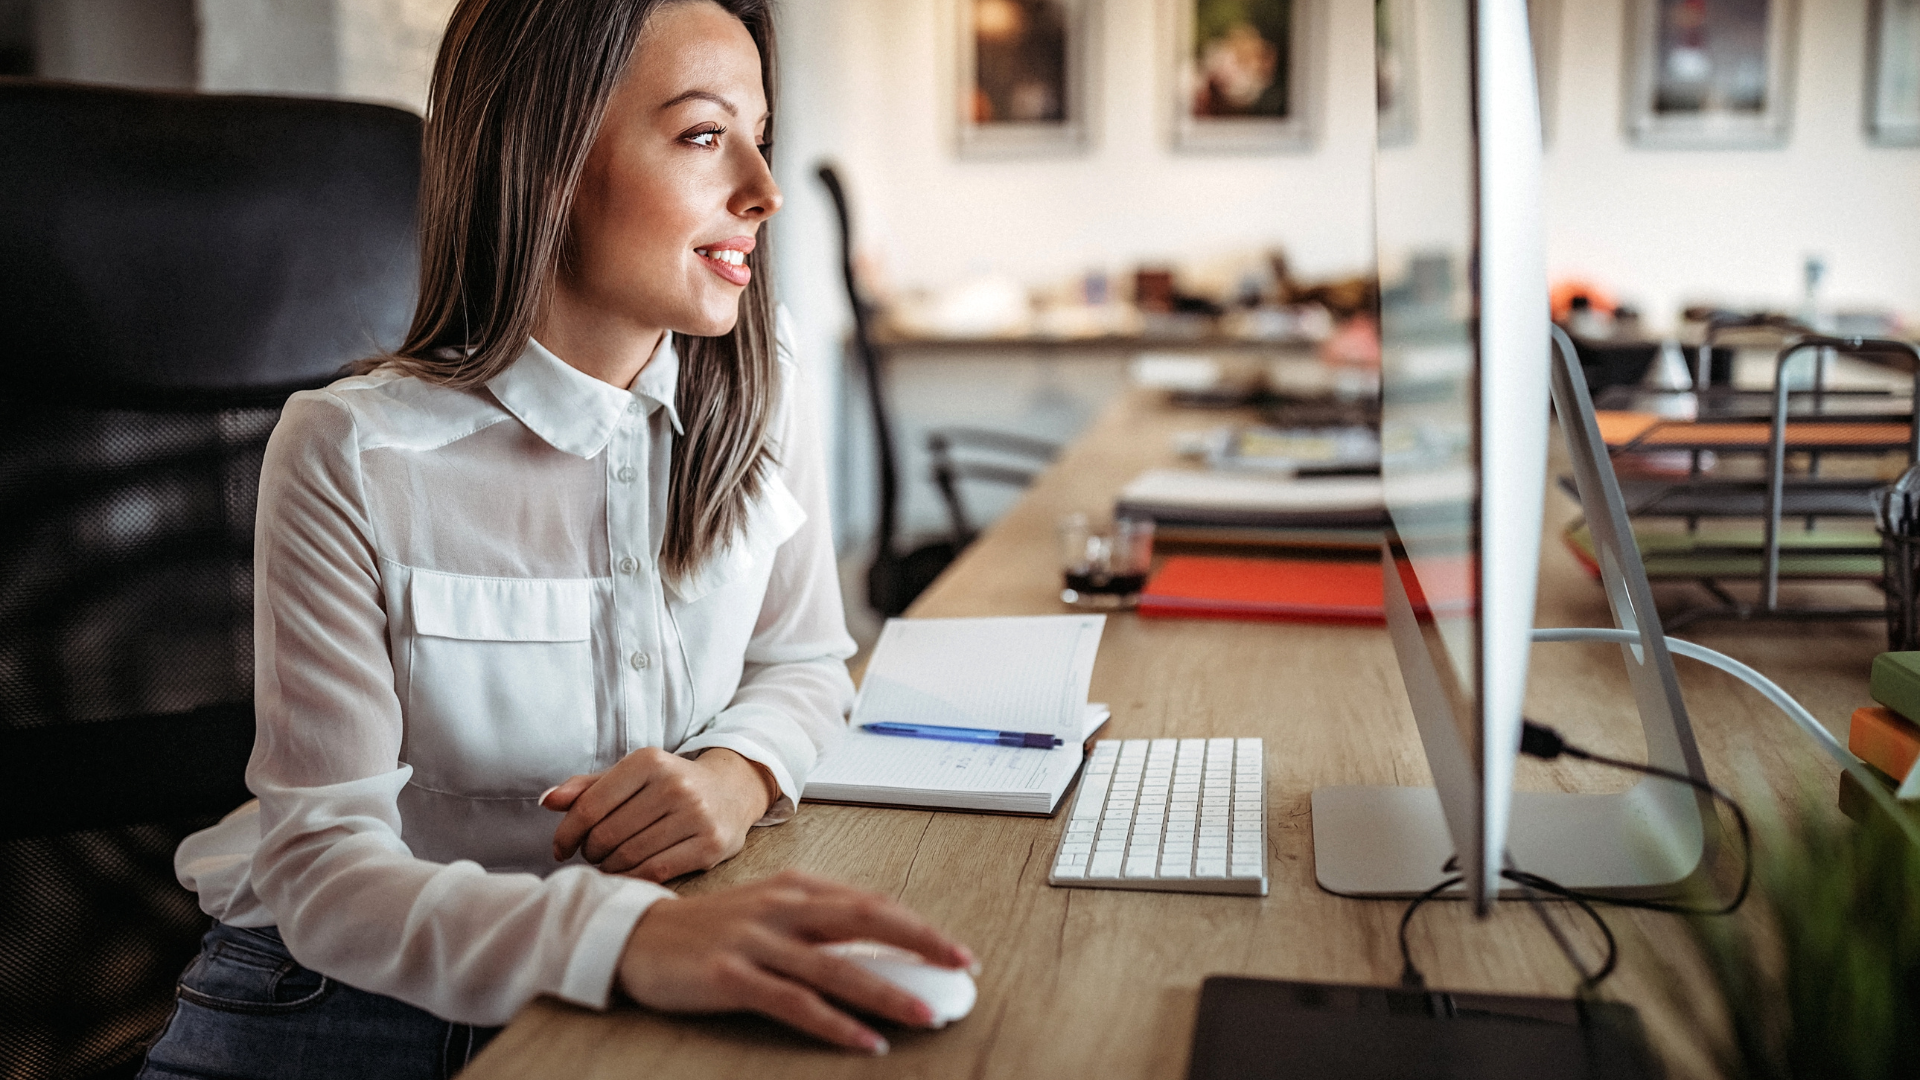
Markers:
point(542, 800)
point(879, 1047)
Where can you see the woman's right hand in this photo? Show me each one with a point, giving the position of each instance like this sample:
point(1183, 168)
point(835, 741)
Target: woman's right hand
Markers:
point(756, 948)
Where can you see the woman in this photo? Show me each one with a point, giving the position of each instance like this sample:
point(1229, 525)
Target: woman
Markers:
point(552, 582)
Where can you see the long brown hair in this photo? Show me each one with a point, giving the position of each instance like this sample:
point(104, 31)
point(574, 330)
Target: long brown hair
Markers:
point(519, 91)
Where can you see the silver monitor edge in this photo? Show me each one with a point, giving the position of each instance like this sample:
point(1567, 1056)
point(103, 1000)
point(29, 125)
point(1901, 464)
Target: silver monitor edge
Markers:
point(1514, 353)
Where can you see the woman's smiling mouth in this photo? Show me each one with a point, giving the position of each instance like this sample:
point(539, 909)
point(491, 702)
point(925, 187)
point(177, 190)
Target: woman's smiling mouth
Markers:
point(729, 259)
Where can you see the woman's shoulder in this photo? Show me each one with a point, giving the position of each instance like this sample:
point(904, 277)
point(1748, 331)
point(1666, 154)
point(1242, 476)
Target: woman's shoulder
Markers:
point(388, 408)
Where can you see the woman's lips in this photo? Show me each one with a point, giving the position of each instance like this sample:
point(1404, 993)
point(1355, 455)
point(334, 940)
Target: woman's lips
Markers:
point(729, 260)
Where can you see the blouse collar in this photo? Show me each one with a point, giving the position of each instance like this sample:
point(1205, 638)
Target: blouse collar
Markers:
point(575, 412)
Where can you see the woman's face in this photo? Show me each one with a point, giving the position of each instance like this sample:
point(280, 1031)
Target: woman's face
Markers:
point(675, 188)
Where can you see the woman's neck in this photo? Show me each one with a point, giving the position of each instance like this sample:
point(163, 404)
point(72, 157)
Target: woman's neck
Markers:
point(606, 346)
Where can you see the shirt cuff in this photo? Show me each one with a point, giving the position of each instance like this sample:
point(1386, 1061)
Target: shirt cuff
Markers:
point(596, 955)
point(759, 754)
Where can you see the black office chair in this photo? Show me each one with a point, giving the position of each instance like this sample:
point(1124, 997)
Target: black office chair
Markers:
point(894, 579)
point(172, 266)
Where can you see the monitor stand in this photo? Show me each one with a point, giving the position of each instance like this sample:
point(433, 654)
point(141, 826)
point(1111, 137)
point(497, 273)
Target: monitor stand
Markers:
point(1650, 840)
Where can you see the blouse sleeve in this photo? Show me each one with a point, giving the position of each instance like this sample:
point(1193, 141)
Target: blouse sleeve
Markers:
point(350, 899)
point(794, 689)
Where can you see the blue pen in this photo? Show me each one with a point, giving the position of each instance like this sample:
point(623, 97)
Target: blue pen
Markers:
point(1036, 740)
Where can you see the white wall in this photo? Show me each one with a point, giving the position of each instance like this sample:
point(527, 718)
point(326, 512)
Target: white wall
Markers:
point(144, 43)
point(1665, 227)
point(368, 50)
point(933, 218)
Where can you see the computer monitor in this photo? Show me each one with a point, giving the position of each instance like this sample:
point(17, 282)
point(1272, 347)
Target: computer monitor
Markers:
point(1465, 387)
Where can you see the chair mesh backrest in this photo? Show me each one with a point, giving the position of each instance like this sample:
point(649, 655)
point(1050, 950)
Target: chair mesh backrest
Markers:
point(171, 266)
point(125, 592)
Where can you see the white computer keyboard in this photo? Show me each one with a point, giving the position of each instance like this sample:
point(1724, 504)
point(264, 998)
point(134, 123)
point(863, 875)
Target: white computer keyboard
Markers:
point(1179, 815)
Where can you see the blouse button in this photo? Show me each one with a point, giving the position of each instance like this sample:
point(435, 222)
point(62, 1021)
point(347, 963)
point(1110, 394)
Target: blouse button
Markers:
point(628, 566)
point(633, 406)
point(626, 475)
point(639, 661)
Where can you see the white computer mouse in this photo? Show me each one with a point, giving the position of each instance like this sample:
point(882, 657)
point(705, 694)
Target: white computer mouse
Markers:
point(948, 992)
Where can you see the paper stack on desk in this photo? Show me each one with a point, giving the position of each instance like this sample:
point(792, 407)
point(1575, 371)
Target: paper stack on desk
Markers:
point(1027, 674)
point(1244, 499)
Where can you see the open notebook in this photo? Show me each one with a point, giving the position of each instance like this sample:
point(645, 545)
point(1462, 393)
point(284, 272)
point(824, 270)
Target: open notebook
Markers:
point(885, 770)
point(1027, 674)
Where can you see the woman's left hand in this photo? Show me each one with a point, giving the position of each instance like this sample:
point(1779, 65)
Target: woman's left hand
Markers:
point(657, 815)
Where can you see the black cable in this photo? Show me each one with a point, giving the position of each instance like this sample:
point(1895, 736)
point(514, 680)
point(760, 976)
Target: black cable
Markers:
point(1410, 976)
point(1589, 980)
point(1412, 979)
point(1541, 741)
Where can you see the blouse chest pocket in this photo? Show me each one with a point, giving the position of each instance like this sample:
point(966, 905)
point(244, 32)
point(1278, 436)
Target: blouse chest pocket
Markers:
point(500, 688)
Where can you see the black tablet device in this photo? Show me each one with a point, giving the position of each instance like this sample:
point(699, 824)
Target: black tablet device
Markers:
point(1252, 1029)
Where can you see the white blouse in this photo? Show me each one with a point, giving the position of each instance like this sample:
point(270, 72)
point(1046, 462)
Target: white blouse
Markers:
point(457, 606)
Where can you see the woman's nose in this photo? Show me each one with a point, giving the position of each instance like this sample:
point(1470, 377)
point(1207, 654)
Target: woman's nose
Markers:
point(757, 196)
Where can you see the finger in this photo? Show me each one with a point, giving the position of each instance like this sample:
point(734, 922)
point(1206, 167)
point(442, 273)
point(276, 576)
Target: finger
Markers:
point(561, 796)
point(685, 857)
point(644, 813)
point(602, 797)
point(798, 1007)
point(642, 844)
point(848, 914)
point(845, 981)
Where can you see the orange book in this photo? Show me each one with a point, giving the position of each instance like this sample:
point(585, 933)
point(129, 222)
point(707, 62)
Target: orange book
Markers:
point(1216, 587)
point(1884, 739)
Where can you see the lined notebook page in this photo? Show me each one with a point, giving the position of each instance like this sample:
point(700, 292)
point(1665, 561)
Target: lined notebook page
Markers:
point(1022, 673)
point(863, 767)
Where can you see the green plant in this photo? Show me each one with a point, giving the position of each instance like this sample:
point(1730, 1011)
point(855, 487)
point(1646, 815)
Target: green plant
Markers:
point(1821, 976)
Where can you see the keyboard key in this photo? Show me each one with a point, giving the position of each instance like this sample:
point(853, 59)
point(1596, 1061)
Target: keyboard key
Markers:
point(1167, 810)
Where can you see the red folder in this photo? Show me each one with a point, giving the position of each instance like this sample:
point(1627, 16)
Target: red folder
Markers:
point(1301, 590)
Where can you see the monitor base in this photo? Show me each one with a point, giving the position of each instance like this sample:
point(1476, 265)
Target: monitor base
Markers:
point(1393, 841)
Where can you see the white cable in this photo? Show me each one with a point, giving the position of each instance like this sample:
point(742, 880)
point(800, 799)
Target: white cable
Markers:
point(1728, 664)
point(1794, 710)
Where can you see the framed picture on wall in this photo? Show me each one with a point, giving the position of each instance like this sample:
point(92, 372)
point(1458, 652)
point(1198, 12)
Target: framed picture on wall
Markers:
point(1393, 70)
point(1709, 73)
point(1243, 73)
point(1893, 73)
point(1023, 67)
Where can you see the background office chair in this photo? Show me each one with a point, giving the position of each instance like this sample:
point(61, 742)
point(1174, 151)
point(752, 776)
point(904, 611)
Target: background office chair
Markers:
point(895, 578)
point(993, 457)
point(171, 267)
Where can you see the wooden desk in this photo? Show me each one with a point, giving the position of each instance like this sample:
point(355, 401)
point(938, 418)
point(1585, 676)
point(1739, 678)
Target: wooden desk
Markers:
point(1092, 983)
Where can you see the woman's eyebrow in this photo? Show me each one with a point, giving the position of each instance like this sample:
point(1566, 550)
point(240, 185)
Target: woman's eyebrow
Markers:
point(702, 95)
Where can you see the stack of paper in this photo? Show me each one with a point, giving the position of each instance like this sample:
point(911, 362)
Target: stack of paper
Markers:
point(1007, 674)
point(1226, 498)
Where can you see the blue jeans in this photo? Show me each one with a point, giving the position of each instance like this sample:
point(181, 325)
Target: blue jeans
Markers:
point(246, 1010)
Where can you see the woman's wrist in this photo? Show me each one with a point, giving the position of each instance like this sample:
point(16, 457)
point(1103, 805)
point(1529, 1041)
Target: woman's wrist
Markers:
point(744, 774)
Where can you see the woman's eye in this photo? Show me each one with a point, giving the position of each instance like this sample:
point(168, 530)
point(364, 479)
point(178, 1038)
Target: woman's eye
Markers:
point(708, 138)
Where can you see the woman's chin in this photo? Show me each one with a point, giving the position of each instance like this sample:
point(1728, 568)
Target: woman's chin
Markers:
point(716, 324)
